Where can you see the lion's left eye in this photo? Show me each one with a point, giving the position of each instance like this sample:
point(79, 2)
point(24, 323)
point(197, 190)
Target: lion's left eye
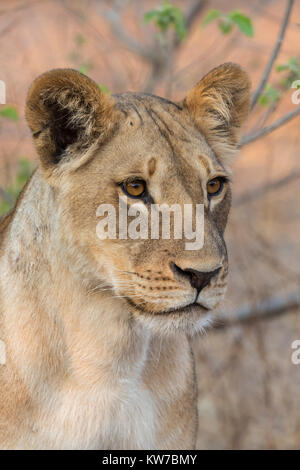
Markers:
point(135, 189)
point(215, 186)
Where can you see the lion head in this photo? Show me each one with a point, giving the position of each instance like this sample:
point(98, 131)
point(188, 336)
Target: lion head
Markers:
point(97, 150)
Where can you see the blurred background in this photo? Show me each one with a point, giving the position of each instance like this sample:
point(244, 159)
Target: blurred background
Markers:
point(249, 387)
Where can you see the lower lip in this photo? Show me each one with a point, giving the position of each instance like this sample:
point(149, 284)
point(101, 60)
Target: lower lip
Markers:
point(181, 310)
point(187, 309)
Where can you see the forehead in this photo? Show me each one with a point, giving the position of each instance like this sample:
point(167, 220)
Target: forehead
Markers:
point(158, 134)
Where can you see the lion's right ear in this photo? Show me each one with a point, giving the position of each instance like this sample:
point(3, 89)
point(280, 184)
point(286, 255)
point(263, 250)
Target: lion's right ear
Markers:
point(68, 116)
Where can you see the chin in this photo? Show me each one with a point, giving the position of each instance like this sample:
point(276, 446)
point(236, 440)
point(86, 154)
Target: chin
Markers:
point(190, 320)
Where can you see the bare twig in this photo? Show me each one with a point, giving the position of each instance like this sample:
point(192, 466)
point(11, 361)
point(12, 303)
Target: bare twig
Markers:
point(265, 310)
point(113, 19)
point(264, 251)
point(18, 8)
point(191, 16)
point(159, 56)
point(266, 130)
point(260, 191)
point(165, 54)
point(8, 27)
point(274, 54)
point(193, 12)
point(264, 118)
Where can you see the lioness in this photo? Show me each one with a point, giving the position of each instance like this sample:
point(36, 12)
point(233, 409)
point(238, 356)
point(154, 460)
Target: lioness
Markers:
point(96, 331)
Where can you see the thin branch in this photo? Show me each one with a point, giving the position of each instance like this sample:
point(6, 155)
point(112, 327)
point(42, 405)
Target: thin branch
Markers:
point(21, 7)
point(260, 191)
point(165, 54)
point(160, 57)
point(274, 54)
point(8, 27)
point(113, 19)
point(266, 130)
point(261, 121)
point(193, 12)
point(191, 16)
point(265, 310)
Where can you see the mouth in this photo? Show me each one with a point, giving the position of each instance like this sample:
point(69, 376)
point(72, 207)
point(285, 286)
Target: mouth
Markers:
point(193, 307)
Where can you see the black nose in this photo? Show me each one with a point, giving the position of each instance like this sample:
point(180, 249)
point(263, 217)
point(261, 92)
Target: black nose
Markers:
point(197, 279)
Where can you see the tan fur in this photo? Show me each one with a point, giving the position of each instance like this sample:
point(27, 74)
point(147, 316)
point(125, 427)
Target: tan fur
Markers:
point(221, 106)
point(96, 332)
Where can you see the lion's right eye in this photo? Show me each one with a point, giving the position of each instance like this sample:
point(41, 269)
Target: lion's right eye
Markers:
point(135, 189)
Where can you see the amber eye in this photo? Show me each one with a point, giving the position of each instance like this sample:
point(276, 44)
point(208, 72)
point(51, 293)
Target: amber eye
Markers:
point(215, 186)
point(134, 188)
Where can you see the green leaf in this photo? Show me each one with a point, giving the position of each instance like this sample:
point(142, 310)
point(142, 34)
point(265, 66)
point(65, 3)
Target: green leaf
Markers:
point(25, 170)
point(150, 15)
point(210, 16)
point(10, 112)
point(180, 29)
point(74, 56)
point(4, 207)
point(226, 21)
point(84, 68)
point(79, 39)
point(166, 16)
point(225, 25)
point(270, 96)
point(294, 65)
point(243, 22)
point(292, 69)
point(10, 194)
point(103, 88)
point(281, 68)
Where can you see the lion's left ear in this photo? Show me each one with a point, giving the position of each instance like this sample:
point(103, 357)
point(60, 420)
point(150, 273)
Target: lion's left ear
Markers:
point(68, 116)
point(219, 104)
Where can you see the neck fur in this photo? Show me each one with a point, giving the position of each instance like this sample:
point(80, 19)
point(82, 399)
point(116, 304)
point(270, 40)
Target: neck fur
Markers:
point(50, 313)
